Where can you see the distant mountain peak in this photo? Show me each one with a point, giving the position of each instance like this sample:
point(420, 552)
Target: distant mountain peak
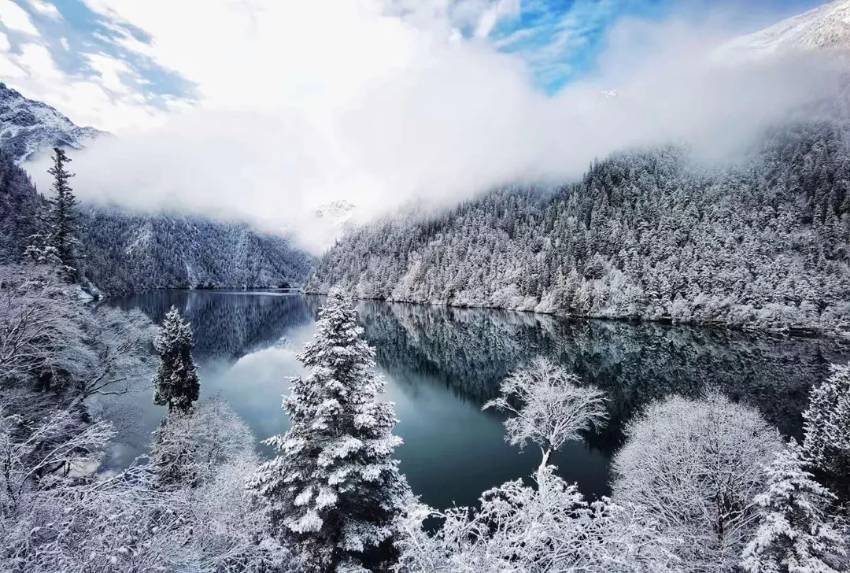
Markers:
point(826, 27)
point(28, 126)
point(339, 210)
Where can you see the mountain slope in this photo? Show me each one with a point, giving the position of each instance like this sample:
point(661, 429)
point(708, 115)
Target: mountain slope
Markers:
point(131, 253)
point(125, 253)
point(128, 252)
point(644, 235)
point(28, 126)
point(826, 27)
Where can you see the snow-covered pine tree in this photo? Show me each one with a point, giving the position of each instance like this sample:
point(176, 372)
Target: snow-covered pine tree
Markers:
point(335, 488)
point(39, 248)
point(62, 242)
point(827, 428)
point(176, 383)
point(794, 533)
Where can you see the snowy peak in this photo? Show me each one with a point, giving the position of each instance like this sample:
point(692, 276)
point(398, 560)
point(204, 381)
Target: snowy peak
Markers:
point(826, 27)
point(338, 212)
point(28, 126)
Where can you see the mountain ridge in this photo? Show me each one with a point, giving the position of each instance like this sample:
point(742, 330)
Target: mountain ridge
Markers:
point(28, 126)
point(825, 27)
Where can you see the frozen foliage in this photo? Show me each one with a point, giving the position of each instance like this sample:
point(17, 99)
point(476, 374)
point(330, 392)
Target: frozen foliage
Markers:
point(334, 487)
point(547, 406)
point(190, 446)
point(176, 383)
point(761, 244)
point(526, 529)
point(44, 454)
point(827, 427)
point(50, 340)
point(695, 467)
point(76, 522)
point(38, 329)
point(795, 534)
point(548, 528)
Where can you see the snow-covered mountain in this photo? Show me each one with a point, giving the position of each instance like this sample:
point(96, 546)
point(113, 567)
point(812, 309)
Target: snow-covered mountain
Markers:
point(28, 126)
point(826, 27)
point(338, 213)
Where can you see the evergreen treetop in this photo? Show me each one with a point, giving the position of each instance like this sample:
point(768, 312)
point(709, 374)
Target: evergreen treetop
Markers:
point(794, 534)
point(334, 488)
point(176, 384)
point(63, 232)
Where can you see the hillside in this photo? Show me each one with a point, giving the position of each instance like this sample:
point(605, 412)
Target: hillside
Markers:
point(645, 234)
point(127, 253)
point(132, 253)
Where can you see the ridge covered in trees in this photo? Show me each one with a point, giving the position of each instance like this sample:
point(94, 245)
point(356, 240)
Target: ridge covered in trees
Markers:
point(124, 253)
point(646, 234)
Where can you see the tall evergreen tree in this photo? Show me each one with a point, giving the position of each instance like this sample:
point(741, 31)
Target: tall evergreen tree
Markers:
point(334, 488)
point(827, 429)
point(62, 239)
point(176, 383)
point(794, 533)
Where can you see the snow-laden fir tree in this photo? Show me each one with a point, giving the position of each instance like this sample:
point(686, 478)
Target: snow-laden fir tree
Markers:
point(176, 383)
point(334, 489)
point(57, 241)
point(827, 427)
point(794, 534)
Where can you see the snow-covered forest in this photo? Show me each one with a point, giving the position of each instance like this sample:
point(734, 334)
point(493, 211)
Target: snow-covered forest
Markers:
point(646, 234)
point(124, 252)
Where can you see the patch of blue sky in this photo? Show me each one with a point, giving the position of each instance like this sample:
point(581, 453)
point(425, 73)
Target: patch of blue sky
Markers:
point(561, 39)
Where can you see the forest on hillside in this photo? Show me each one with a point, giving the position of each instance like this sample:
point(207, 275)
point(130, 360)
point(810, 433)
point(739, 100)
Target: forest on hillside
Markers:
point(125, 252)
point(646, 234)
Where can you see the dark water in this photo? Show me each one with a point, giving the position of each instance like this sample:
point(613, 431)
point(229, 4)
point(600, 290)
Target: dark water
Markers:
point(441, 364)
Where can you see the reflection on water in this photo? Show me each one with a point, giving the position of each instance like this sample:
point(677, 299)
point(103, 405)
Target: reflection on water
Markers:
point(441, 364)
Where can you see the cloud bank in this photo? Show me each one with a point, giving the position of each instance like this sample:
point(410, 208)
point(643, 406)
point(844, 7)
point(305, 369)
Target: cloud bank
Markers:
point(384, 105)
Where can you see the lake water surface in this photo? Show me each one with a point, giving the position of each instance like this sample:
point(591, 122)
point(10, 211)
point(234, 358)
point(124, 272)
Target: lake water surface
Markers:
point(442, 364)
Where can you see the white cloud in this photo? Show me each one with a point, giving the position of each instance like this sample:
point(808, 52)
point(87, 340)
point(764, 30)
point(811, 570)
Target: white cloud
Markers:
point(15, 18)
point(110, 70)
point(45, 9)
point(33, 71)
point(307, 102)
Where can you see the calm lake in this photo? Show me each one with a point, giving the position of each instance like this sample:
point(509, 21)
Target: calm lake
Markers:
point(442, 364)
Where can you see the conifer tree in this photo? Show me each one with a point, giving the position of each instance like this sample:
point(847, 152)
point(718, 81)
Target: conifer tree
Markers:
point(60, 238)
point(176, 383)
point(827, 428)
point(794, 533)
point(334, 488)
